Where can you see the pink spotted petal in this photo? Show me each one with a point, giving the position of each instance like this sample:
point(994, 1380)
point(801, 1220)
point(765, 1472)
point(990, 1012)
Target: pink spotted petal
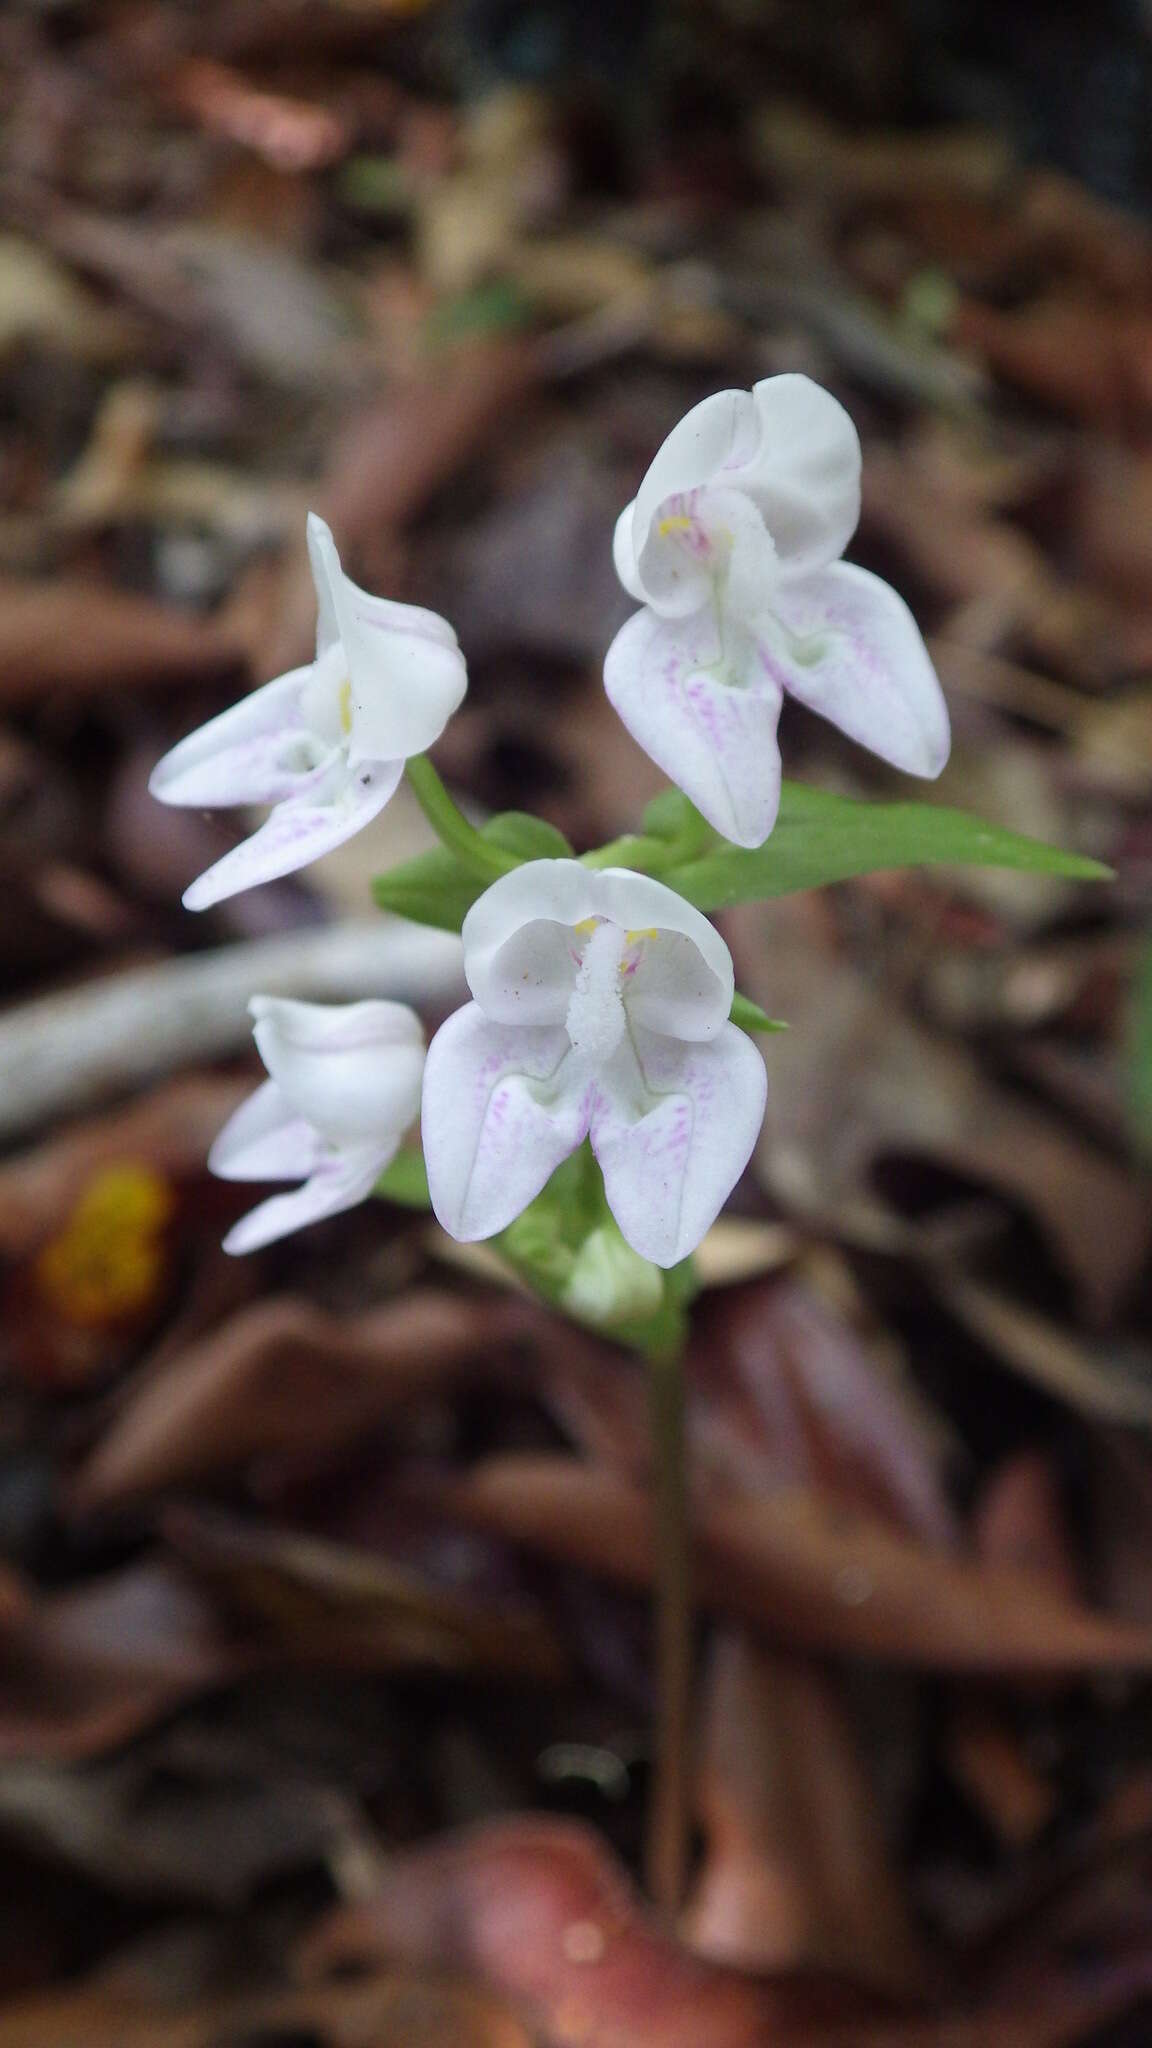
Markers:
point(865, 666)
point(497, 1119)
point(673, 1139)
point(297, 833)
point(695, 695)
point(259, 751)
point(342, 1179)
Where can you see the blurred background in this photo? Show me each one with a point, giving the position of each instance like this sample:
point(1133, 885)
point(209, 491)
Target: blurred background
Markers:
point(325, 1672)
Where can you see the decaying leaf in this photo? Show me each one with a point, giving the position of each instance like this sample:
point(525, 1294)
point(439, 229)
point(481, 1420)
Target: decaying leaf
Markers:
point(807, 1570)
point(796, 1869)
point(284, 1377)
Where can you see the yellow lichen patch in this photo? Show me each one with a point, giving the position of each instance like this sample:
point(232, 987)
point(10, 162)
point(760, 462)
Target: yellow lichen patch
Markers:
point(108, 1262)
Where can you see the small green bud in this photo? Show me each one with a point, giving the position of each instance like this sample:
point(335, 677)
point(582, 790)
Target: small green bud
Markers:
point(610, 1284)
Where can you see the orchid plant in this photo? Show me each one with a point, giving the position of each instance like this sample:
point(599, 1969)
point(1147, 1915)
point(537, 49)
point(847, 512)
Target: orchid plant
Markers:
point(593, 1106)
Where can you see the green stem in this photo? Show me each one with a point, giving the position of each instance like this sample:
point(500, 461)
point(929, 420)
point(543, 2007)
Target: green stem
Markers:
point(670, 1811)
point(472, 850)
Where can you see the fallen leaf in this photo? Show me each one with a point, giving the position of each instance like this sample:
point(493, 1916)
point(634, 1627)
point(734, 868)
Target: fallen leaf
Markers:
point(855, 1079)
point(810, 1571)
point(170, 1130)
point(321, 1602)
point(795, 1869)
point(383, 2012)
point(84, 637)
point(1106, 1380)
point(88, 1668)
point(284, 1377)
point(543, 1913)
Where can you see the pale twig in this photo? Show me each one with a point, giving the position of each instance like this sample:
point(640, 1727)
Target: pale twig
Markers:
point(68, 1051)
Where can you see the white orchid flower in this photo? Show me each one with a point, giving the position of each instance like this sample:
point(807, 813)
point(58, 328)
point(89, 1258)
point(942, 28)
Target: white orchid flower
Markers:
point(732, 545)
point(325, 745)
point(344, 1087)
point(601, 1009)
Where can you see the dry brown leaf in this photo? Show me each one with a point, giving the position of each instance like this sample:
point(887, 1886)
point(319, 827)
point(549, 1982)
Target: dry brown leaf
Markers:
point(170, 1130)
point(855, 1081)
point(383, 2012)
point(785, 1390)
point(328, 1604)
point(1081, 358)
point(83, 637)
point(808, 1570)
point(284, 1377)
point(543, 1913)
point(87, 1669)
point(795, 1869)
point(1097, 1379)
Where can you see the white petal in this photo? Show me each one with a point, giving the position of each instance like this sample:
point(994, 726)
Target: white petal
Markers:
point(519, 957)
point(697, 697)
point(719, 431)
point(326, 575)
point(257, 752)
point(497, 1119)
point(298, 832)
point(624, 553)
point(353, 1070)
point(673, 1136)
point(405, 668)
point(805, 474)
point(707, 545)
point(865, 667)
point(265, 1140)
point(682, 979)
point(341, 1181)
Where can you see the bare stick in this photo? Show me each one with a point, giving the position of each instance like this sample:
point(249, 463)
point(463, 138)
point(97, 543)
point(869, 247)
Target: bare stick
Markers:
point(70, 1051)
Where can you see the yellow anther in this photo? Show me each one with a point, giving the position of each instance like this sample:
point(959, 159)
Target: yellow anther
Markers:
point(586, 926)
point(346, 704)
point(651, 933)
point(676, 522)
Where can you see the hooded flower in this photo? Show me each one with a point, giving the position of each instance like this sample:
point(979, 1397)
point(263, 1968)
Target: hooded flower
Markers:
point(601, 1010)
point(324, 745)
point(344, 1088)
point(732, 545)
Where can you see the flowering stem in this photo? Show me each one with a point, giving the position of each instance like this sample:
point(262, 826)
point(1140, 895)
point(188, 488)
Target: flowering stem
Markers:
point(479, 855)
point(669, 1814)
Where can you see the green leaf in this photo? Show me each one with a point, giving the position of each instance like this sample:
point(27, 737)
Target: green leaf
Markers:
point(821, 838)
point(750, 1017)
point(435, 889)
point(405, 1181)
point(432, 889)
point(527, 837)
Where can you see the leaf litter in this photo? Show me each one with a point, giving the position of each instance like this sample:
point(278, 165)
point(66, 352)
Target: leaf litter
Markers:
point(310, 1569)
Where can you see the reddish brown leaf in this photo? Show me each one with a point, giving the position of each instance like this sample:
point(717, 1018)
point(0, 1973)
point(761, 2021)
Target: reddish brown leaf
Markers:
point(284, 1377)
point(84, 638)
point(540, 1910)
point(808, 1570)
point(170, 1130)
point(87, 1669)
point(796, 1869)
point(385, 2012)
